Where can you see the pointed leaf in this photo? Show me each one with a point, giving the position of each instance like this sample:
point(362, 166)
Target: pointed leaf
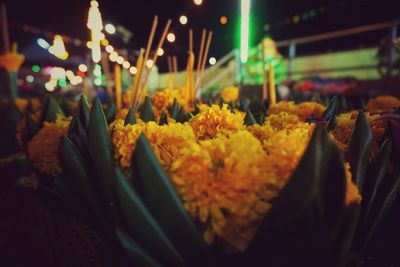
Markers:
point(50, 110)
point(130, 118)
point(359, 149)
point(249, 119)
point(164, 204)
point(142, 226)
point(110, 111)
point(163, 119)
point(330, 110)
point(101, 154)
point(136, 255)
point(83, 111)
point(181, 115)
point(174, 109)
point(147, 113)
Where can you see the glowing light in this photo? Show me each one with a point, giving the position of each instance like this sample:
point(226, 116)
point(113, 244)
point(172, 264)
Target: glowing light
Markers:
point(133, 70)
point(69, 74)
point(244, 30)
point(160, 52)
point(97, 70)
point(109, 49)
point(171, 37)
point(95, 25)
point(82, 67)
point(62, 82)
point(29, 78)
point(57, 73)
point(104, 42)
point(110, 29)
point(97, 81)
point(126, 65)
point(149, 63)
point(58, 48)
point(183, 20)
point(50, 85)
point(212, 61)
point(120, 60)
point(223, 20)
point(35, 68)
point(198, 2)
point(43, 43)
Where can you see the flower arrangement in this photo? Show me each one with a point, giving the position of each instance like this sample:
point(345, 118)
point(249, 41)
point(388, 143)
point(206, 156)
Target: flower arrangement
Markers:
point(221, 185)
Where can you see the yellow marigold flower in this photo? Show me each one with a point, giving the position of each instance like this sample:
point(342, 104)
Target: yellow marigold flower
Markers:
point(284, 150)
point(346, 123)
point(43, 149)
point(121, 114)
point(304, 110)
point(221, 183)
point(166, 140)
point(382, 104)
point(214, 120)
point(352, 193)
point(230, 94)
point(164, 99)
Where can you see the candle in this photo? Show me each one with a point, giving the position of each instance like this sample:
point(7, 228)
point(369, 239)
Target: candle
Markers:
point(118, 87)
point(271, 88)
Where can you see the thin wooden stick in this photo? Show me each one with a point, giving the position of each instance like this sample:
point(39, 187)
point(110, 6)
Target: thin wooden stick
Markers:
point(14, 48)
point(4, 29)
point(159, 46)
point(190, 40)
point(146, 57)
point(204, 59)
point(151, 38)
point(203, 38)
point(170, 71)
point(175, 64)
point(264, 68)
point(271, 88)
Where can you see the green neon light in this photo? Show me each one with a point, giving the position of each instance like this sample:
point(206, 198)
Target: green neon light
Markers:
point(244, 30)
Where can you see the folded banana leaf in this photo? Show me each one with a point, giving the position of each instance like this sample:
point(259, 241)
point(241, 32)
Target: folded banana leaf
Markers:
point(164, 204)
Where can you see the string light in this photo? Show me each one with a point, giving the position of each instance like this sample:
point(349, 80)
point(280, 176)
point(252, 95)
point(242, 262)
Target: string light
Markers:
point(29, 78)
point(160, 52)
point(104, 42)
point(212, 61)
point(126, 65)
point(171, 37)
point(110, 29)
point(198, 2)
point(95, 25)
point(120, 60)
point(43, 43)
point(149, 63)
point(58, 48)
point(82, 67)
point(183, 20)
point(133, 70)
point(35, 68)
point(109, 49)
point(223, 20)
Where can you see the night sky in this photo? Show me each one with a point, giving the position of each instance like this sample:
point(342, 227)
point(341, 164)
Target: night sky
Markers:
point(69, 18)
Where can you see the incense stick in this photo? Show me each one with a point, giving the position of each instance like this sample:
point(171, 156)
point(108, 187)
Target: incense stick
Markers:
point(264, 68)
point(4, 29)
point(146, 57)
point(203, 38)
point(159, 46)
point(204, 59)
point(190, 40)
point(175, 65)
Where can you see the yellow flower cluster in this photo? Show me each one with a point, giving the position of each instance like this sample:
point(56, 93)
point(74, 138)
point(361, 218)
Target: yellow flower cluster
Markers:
point(345, 126)
point(352, 193)
point(230, 94)
point(304, 110)
point(382, 104)
point(43, 149)
point(214, 120)
point(163, 99)
point(166, 140)
point(222, 183)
